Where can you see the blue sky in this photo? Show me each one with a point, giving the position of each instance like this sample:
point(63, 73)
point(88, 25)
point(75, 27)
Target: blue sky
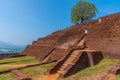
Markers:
point(22, 21)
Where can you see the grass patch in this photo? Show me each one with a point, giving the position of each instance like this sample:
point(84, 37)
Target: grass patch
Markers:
point(89, 73)
point(7, 76)
point(36, 71)
point(33, 72)
point(118, 77)
point(94, 73)
point(16, 62)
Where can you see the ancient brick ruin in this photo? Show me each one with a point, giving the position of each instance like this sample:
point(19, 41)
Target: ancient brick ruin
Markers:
point(20, 75)
point(115, 70)
point(75, 61)
point(101, 41)
point(98, 38)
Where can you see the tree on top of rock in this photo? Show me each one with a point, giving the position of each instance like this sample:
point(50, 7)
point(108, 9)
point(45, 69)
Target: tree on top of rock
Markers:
point(83, 10)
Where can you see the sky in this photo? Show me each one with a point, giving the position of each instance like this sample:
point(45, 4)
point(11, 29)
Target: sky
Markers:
point(24, 21)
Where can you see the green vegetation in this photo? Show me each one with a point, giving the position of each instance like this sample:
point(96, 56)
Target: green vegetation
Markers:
point(19, 60)
point(33, 72)
point(40, 71)
point(83, 10)
point(117, 77)
point(7, 76)
point(36, 71)
point(95, 72)
point(16, 62)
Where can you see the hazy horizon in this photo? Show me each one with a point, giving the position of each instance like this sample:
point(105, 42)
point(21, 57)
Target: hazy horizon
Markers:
point(23, 21)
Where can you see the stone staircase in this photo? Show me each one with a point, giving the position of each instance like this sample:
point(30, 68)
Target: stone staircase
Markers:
point(61, 50)
point(77, 57)
point(75, 60)
point(69, 62)
point(73, 54)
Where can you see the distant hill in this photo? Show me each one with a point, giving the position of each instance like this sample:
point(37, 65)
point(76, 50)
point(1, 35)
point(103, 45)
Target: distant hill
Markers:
point(9, 48)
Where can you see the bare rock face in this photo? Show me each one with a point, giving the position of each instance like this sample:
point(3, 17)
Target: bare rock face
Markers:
point(103, 36)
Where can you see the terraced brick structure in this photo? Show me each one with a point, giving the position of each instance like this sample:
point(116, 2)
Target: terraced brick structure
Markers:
point(73, 45)
point(98, 38)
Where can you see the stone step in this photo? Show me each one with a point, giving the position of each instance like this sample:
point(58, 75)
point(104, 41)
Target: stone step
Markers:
point(68, 62)
point(61, 69)
point(65, 66)
point(70, 59)
point(73, 55)
point(61, 72)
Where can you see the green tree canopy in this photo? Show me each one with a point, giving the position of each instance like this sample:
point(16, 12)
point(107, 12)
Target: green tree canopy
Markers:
point(83, 10)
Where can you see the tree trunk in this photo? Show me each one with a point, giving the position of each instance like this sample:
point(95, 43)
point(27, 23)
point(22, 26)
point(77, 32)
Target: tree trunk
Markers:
point(82, 19)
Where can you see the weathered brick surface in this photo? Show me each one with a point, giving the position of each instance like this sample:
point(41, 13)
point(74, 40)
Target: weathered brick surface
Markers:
point(69, 65)
point(20, 75)
point(38, 51)
point(102, 36)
